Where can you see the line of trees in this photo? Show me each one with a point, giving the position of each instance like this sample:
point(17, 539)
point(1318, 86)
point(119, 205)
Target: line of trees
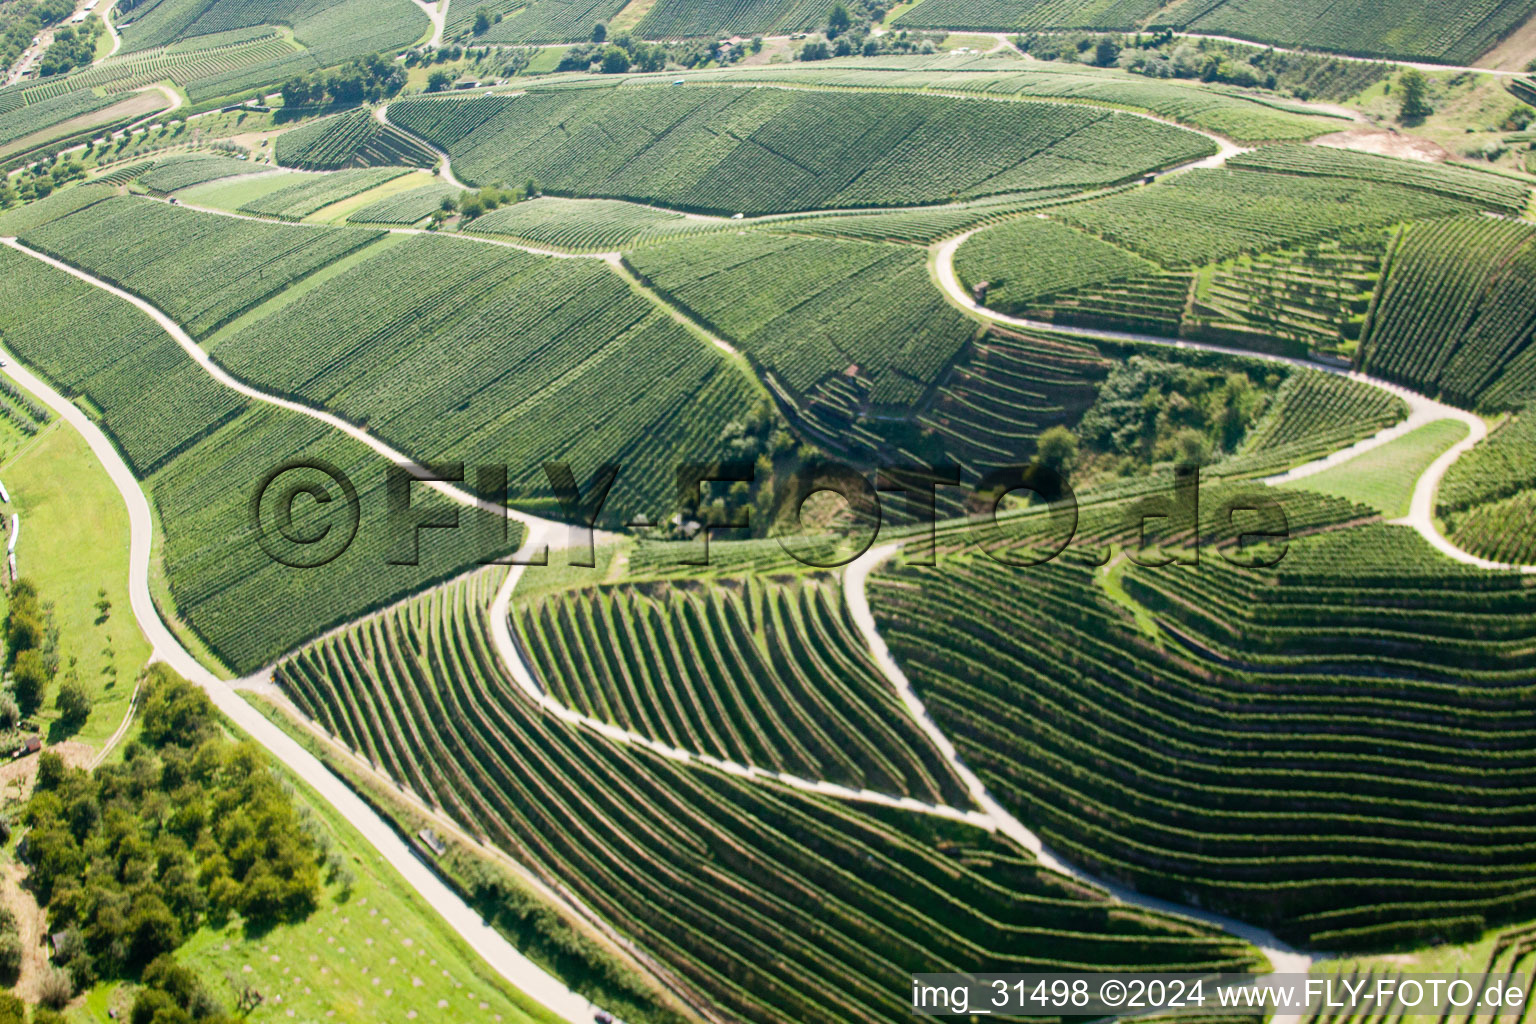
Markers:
point(363, 80)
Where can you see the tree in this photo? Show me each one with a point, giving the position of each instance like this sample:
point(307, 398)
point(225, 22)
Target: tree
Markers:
point(439, 80)
point(815, 49)
point(103, 606)
point(1057, 449)
point(1413, 96)
point(482, 21)
point(615, 60)
point(74, 704)
point(31, 677)
point(599, 32)
point(838, 21)
point(10, 714)
point(1106, 52)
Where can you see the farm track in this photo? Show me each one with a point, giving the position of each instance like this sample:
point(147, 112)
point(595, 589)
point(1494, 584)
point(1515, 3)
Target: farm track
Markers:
point(488, 943)
point(1422, 409)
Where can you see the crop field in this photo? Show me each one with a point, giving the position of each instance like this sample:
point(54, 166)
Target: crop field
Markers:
point(162, 253)
point(178, 172)
point(1160, 762)
point(1456, 312)
point(455, 350)
point(201, 449)
point(806, 309)
point(405, 208)
point(60, 204)
point(736, 886)
point(922, 225)
point(1003, 15)
point(355, 139)
point(759, 150)
point(315, 193)
point(787, 684)
point(1210, 215)
point(1030, 258)
point(588, 225)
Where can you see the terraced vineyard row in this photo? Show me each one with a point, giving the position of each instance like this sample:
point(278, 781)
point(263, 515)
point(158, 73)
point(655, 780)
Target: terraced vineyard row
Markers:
point(25, 120)
point(455, 350)
point(805, 309)
point(678, 19)
point(1337, 747)
point(553, 21)
point(1488, 498)
point(756, 150)
point(299, 200)
point(588, 225)
point(1207, 216)
point(163, 254)
point(1239, 116)
point(1033, 259)
point(760, 672)
point(919, 226)
point(1313, 414)
point(1486, 189)
point(202, 451)
point(1456, 314)
point(1500, 531)
point(741, 889)
point(178, 172)
point(355, 139)
point(405, 207)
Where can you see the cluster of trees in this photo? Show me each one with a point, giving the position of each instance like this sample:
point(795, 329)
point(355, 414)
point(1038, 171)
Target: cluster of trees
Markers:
point(362, 80)
point(624, 53)
point(72, 47)
point(1149, 411)
point(763, 440)
point(22, 20)
point(1163, 55)
point(856, 40)
point(132, 858)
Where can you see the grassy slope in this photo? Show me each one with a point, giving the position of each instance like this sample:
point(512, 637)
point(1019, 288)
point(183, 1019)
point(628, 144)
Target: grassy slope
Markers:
point(1385, 477)
point(74, 542)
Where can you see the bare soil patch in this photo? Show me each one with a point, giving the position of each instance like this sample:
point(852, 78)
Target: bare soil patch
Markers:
point(1385, 143)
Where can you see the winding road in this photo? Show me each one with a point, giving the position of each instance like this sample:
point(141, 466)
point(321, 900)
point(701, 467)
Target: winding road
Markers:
point(1422, 409)
point(500, 954)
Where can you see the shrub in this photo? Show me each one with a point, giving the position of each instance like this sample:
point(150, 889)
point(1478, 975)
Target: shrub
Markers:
point(56, 989)
point(74, 704)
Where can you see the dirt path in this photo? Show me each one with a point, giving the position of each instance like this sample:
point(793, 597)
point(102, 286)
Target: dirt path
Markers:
point(31, 923)
point(1385, 142)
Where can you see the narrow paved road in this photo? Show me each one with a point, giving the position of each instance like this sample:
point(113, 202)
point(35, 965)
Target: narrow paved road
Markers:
point(500, 954)
point(1422, 409)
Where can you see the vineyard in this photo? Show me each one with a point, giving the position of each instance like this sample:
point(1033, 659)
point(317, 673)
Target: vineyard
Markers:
point(806, 309)
point(200, 448)
point(315, 193)
point(40, 114)
point(405, 208)
point(1240, 116)
point(355, 139)
point(759, 150)
point(741, 889)
point(588, 225)
point(1032, 258)
point(452, 350)
point(1414, 29)
point(553, 21)
point(1397, 679)
point(763, 673)
point(1313, 414)
point(1207, 216)
point(1486, 500)
point(920, 226)
point(1456, 314)
point(680, 19)
point(1485, 189)
point(178, 172)
point(163, 254)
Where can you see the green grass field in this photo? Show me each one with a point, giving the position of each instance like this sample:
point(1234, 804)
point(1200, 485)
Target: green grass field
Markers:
point(1384, 478)
point(377, 952)
point(74, 543)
